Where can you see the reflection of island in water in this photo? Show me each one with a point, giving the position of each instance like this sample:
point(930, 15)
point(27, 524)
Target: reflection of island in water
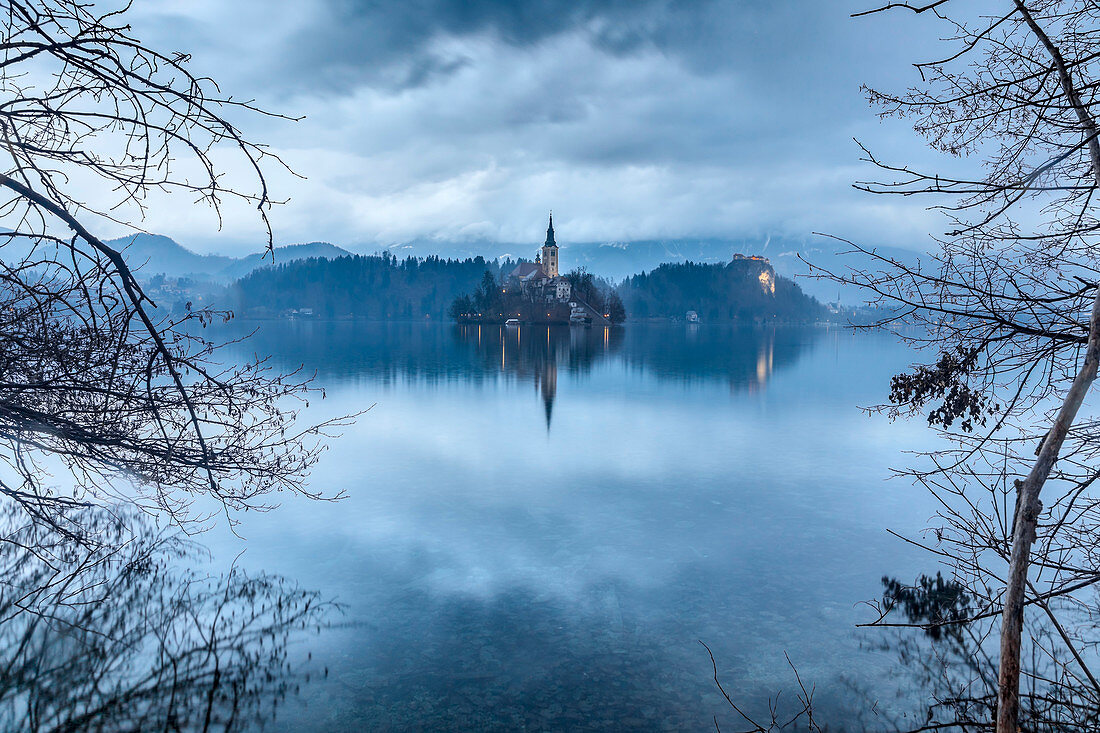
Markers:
point(536, 353)
point(745, 358)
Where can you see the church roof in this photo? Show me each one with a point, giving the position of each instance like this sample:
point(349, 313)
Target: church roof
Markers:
point(528, 271)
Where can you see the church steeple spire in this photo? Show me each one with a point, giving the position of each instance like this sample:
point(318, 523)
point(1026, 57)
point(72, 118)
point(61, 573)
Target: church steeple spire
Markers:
point(550, 251)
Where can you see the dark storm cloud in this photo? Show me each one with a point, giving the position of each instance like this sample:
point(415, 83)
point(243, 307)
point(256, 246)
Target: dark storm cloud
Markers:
point(352, 42)
point(392, 46)
point(346, 43)
point(640, 118)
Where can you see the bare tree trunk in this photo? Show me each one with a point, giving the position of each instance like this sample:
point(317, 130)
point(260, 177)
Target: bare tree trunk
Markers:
point(1027, 515)
point(1028, 507)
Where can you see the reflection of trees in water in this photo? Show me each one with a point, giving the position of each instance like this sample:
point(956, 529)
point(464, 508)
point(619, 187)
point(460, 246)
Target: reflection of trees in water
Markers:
point(107, 632)
point(950, 658)
point(426, 352)
point(945, 646)
point(743, 357)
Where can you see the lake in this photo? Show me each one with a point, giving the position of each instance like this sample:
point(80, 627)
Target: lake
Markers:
point(542, 524)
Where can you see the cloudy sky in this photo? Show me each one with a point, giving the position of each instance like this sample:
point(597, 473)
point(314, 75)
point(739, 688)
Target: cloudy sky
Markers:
point(465, 120)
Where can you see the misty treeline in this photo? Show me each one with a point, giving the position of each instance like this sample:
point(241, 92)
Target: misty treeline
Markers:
point(385, 287)
point(112, 628)
point(730, 292)
point(377, 287)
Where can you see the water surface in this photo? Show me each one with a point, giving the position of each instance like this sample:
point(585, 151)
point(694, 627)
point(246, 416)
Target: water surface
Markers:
point(541, 524)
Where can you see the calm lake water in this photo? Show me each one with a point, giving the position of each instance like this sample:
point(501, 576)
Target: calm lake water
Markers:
point(541, 524)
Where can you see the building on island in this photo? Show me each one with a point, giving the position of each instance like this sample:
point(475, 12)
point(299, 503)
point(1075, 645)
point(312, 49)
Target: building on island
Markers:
point(539, 293)
point(550, 250)
point(540, 280)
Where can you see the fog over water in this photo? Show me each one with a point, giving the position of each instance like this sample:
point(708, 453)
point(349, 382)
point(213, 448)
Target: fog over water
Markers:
point(541, 524)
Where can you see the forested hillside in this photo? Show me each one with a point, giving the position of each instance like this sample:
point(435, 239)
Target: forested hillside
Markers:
point(383, 287)
point(742, 291)
point(376, 286)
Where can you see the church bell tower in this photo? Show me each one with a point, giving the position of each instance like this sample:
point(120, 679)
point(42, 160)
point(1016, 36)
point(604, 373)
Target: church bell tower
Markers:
point(550, 250)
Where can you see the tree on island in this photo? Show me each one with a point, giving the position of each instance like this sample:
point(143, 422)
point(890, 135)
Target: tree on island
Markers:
point(1009, 306)
point(616, 310)
point(487, 297)
point(585, 286)
point(496, 302)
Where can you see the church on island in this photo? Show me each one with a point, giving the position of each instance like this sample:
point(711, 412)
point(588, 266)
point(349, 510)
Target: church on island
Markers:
point(541, 284)
point(538, 293)
point(540, 280)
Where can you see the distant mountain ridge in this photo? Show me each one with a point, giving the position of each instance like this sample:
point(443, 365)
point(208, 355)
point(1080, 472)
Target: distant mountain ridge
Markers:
point(155, 254)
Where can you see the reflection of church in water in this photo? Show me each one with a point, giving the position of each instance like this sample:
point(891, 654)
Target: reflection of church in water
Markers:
point(546, 382)
point(743, 359)
point(536, 354)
